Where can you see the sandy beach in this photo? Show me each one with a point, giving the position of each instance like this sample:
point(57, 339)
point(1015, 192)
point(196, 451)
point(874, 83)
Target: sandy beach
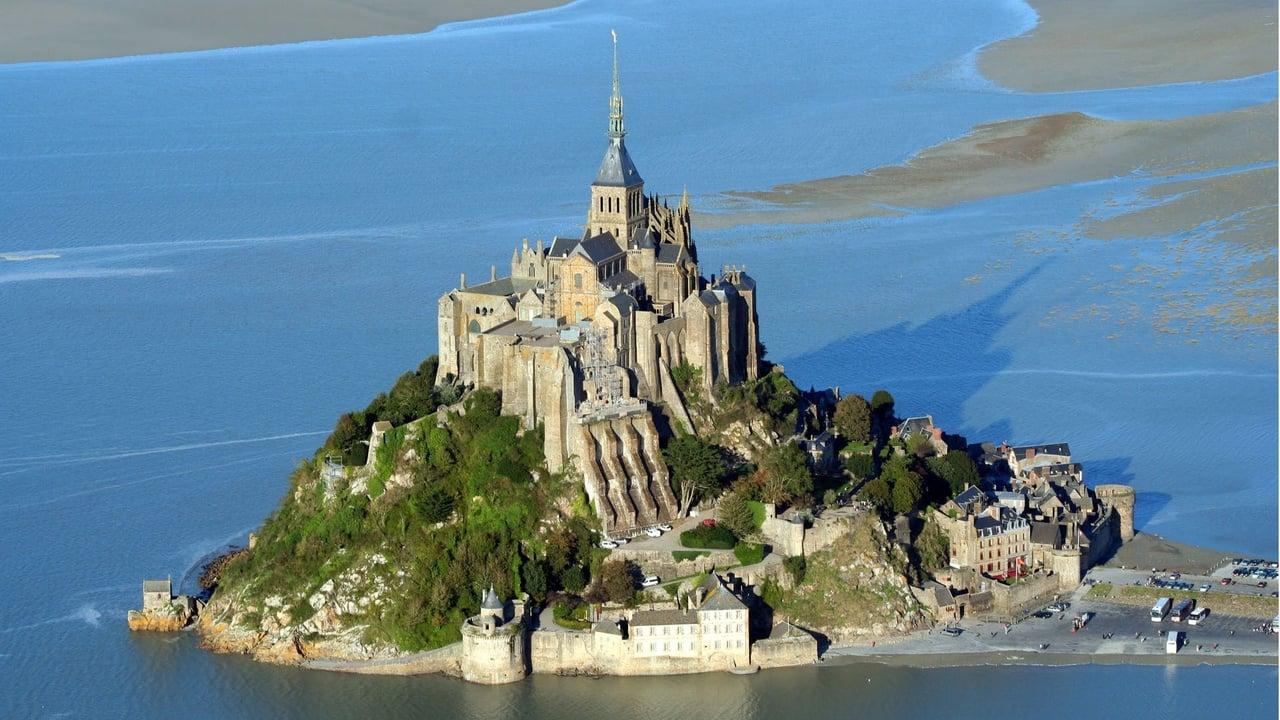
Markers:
point(1092, 44)
point(33, 30)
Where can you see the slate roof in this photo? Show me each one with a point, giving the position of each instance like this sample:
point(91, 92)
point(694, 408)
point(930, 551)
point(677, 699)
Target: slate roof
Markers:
point(914, 425)
point(502, 287)
point(491, 601)
point(616, 169)
point(670, 253)
point(561, 246)
point(663, 617)
point(1054, 449)
point(719, 597)
point(605, 625)
point(622, 279)
point(784, 630)
point(157, 586)
point(600, 248)
point(968, 496)
point(1044, 533)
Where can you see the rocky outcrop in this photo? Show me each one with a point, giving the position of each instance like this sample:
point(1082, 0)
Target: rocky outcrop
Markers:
point(170, 618)
point(856, 589)
point(329, 623)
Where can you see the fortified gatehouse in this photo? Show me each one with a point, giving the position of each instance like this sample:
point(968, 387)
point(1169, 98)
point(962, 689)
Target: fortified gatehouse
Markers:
point(582, 335)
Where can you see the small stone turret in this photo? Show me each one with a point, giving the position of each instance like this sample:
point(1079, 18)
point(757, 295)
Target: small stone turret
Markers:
point(493, 649)
point(1121, 499)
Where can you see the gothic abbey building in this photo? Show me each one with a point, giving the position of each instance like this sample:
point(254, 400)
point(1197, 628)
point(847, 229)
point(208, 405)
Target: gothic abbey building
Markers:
point(582, 336)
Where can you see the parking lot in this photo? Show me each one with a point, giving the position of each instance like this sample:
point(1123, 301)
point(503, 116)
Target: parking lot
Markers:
point(1236, 584)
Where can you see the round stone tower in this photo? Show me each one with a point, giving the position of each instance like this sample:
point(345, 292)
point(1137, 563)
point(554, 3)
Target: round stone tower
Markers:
point(493, 649)
point(1121, 499)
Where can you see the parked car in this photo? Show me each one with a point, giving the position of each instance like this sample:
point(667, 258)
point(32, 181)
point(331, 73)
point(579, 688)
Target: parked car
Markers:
point(653, 532)
point(621, 541)
point(709, 522)
point(649, 581)
point(952, 631)
point(608, 544)
point(1226, 581)
point(1059, 607)
point(1042, 614)
point(1262, 584)
point(664, 527)
point(1204, 588)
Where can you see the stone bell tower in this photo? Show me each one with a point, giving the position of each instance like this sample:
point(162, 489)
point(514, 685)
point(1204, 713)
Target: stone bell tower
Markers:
point(617, 195)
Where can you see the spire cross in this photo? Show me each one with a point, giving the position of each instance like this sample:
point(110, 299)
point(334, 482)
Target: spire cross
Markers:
point(615, 102)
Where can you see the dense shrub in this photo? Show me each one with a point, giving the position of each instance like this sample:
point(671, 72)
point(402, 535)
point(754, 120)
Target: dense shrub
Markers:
point(795, 566)
point(716, 537)
point(749, 553)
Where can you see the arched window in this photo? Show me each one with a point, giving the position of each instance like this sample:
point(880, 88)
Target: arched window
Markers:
point(531, 271)
point(577, 281)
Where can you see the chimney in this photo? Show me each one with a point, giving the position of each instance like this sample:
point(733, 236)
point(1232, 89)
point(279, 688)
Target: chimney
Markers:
point(493, 273)
point(462, 282)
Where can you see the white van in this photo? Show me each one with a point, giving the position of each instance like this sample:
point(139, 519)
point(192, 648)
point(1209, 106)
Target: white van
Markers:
point(1173, 642)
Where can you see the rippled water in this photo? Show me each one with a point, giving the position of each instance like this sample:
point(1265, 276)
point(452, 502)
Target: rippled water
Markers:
point(207, 257)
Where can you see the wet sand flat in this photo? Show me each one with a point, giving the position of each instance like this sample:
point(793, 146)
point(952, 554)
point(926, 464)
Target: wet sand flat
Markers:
point(33, 30)
point(1094, 44)
point(1017, 156)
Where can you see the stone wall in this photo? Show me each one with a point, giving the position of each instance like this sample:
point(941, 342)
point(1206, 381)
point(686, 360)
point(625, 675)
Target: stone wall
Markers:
point(494, 659)
point(445, 660)
point(1121, 498)
point(1010, 602)
point(785, 651)
point(828, 528)
point(663, 564)
point(786, 537)
point(591, 653)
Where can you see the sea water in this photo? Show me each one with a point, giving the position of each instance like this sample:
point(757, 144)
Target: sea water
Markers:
point(205, 258)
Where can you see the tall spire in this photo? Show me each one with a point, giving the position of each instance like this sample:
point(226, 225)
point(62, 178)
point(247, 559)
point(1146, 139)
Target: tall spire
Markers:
point(615, 102)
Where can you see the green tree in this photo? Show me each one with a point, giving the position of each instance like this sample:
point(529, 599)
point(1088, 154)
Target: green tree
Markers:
point(785, 473)
point(882, 404)
point(907, 491)
point(859, 465)
point(688, 379)
point(878, 493)
point(853, 418)
point(697, 468)
point(573, 579)
point(735, 514)
point(619, 580)
point(533, 578)
point(956, 469)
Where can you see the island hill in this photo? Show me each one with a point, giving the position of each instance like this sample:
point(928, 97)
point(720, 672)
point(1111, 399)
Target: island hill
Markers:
point(473, 520)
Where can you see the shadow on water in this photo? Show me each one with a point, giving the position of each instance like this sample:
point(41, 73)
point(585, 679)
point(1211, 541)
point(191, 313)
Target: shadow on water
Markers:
point(933, 367)
point(1146, 506)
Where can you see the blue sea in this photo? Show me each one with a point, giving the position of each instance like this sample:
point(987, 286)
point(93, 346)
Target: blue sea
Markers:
point(206, 257)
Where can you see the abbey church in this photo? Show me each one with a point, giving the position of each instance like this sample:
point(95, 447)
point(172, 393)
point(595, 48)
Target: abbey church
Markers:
point(584, 332)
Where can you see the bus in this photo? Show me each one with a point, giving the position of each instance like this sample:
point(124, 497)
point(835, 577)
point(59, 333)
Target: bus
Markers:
point(1172, 642)
point(1198, 615)
point(1183, 609)
point(1160, 609)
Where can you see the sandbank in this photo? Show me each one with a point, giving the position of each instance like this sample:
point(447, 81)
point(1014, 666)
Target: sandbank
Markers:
point(36, 30)
point(1094, 44)
point(1018, 156)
